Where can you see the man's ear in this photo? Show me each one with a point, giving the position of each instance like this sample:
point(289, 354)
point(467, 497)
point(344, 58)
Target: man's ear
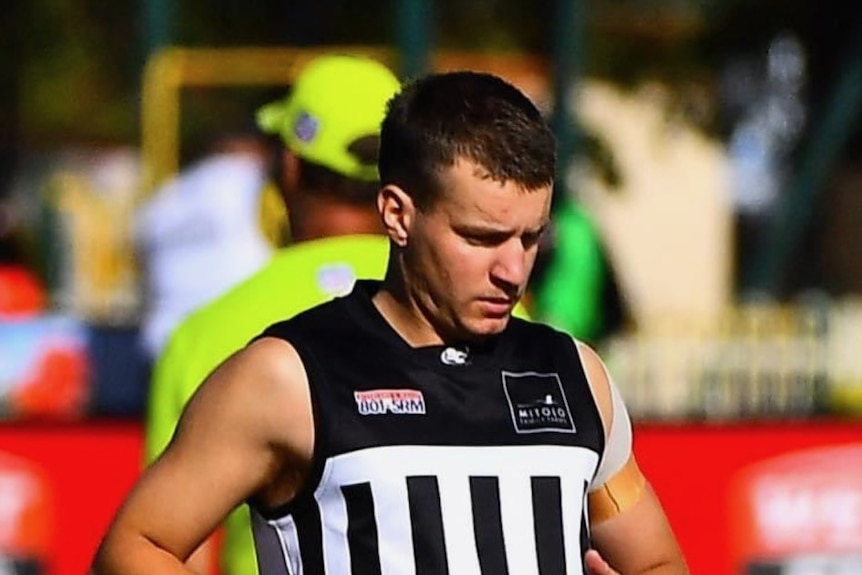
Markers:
point(397, 212)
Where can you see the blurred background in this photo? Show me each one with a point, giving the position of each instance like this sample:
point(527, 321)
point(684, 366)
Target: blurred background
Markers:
point(713, 149)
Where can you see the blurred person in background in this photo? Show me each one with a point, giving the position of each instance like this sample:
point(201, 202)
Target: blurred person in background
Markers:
point(201, 232)
point(22, 293)
point(364, 432)
point(574, 287)
point(44, 369)
point(326, 171)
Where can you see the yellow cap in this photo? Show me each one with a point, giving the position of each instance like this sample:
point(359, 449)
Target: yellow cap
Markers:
point(334, 101)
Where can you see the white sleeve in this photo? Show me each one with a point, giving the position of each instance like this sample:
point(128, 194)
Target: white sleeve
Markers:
point(618, 444)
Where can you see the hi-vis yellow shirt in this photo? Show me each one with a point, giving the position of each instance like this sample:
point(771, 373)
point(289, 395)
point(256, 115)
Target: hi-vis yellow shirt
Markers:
point(297, 278)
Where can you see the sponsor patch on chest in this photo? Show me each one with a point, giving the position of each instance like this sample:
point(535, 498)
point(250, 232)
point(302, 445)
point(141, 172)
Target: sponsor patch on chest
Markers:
point(537, 402)
point(394, 401)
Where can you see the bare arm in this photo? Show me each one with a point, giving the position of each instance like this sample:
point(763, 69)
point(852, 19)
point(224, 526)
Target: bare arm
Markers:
point(240, 429)
point(628, 526)
point(178, 372)
point(202, 560)
point(640, 540)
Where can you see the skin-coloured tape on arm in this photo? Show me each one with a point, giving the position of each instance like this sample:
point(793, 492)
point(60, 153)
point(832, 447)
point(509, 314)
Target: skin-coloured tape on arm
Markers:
point(620, 492)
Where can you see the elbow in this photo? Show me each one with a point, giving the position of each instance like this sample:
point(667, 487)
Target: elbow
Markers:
point(115, 556)
point(671, 566)
point(132, 553)
point(103, 562)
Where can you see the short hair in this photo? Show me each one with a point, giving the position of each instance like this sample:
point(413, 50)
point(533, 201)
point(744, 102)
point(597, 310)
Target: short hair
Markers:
point(440, 118)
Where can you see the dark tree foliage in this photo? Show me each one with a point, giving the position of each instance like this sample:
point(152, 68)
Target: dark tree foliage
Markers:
point(78, 64)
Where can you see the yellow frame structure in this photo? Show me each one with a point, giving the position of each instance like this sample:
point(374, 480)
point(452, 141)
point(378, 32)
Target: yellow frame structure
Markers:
point(171, 70)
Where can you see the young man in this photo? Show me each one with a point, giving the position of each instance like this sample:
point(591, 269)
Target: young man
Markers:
point(414, 426)
point(329, 124)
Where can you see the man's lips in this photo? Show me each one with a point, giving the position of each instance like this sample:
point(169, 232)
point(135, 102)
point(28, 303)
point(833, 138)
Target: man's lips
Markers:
point(497, 305)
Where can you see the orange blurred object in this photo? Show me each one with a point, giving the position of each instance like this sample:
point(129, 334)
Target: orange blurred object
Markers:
point(57, 389)
point(26, 510)
point(21, 293)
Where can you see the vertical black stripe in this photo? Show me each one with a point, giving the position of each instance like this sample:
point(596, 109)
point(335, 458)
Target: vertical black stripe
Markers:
point(309, 532)
point(488, 525)
point(548, 525)
point(361, 529)
point(426, 523)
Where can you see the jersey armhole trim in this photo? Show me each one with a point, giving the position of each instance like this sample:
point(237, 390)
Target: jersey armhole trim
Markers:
point(617, 448)
point(305, 494)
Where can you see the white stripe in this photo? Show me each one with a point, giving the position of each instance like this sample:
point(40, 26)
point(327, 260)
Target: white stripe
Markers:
point(289, 538)
point(386, 469)
point(456, 508)
point(395, 536)
point(333, 513)
point(572, 504)
point(399, 461)
point(516, 509)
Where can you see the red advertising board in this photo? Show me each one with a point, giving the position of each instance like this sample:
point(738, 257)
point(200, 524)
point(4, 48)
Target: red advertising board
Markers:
point(703, 473)
point(696, 470)
point(800, 507)
point(26, 515)
point(86, 471)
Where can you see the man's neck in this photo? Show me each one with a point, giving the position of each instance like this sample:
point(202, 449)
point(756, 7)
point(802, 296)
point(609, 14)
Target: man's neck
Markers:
point(328, 218)
point(400, 308)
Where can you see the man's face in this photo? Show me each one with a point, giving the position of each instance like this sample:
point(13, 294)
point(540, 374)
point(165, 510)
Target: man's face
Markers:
point(470, 253)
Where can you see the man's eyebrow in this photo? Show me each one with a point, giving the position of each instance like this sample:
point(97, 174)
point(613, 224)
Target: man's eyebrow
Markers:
point(488, 228)
point(476, 228)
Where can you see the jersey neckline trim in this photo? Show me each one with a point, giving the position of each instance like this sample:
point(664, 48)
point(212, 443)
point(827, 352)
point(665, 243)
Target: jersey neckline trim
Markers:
point(442, 357)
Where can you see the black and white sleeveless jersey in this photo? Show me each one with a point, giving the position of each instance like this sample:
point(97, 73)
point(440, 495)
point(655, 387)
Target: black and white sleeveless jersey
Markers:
point(436, 460)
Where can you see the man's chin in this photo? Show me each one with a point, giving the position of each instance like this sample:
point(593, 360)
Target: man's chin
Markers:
point(488, 326)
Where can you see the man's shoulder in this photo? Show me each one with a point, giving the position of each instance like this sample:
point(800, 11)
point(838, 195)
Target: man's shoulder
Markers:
point(318, 321)
point(539, 339)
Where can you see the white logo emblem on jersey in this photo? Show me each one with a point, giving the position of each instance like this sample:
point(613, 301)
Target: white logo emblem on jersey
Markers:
point(454, 356)
point(537, 402)
point(394, 401)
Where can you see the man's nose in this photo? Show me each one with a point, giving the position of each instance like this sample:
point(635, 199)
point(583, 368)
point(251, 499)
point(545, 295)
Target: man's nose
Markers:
point(510, 265)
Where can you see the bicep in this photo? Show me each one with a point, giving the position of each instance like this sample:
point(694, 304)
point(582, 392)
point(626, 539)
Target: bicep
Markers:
point(618, 484)
point(627, 523)
point(179, 371)
point(226, 447)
